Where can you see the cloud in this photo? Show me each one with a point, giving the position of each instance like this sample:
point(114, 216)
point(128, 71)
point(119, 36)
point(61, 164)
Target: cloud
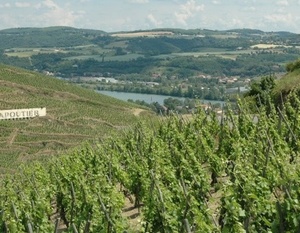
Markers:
point(282, 3)
point(22, 4)
point(57, 15)
point(154, 21)
point(280, 18)
point(138, 1)
point(281, 10)
point(250, 8)
point(6, 5)
point(37, 6)
point(188, 10)
point(8, 21)
point(50, 4)
point(237, 23)
point(140, 14)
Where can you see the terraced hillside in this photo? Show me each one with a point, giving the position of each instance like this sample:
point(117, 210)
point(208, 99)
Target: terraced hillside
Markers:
point(74, 115)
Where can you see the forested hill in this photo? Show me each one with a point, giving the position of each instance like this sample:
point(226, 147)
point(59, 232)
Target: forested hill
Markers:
point(196, 63)
point(47, 37)
point(60, 36)
point(169, 52)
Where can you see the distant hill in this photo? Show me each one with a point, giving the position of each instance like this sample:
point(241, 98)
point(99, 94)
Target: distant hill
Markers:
point(246, 31)
point(170, 52)
point(47, 37)
point(60, 36)
point(288, 83)
point(74, 115)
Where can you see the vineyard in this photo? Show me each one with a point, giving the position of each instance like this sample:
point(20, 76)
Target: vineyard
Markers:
point(74, 115)
point(237, 172)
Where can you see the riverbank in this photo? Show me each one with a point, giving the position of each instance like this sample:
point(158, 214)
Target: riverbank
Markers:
point(149, 98)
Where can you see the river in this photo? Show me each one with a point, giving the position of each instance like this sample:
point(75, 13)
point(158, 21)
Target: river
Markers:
point(148, 98)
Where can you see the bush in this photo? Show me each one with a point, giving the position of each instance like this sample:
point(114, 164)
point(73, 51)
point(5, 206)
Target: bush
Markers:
point(290, 67)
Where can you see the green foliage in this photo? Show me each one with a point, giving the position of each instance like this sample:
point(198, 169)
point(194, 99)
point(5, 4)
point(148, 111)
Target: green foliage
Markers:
point(287, 84)
point(74, 115)
point(290, 67)
point(46, 37)
point(184, 54)
point(237, 173)
point(79, 44)
point(17, 61)
point(261, 90)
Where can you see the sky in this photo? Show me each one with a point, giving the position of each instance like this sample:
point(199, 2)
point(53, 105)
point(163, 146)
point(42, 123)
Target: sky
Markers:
point(130, 15)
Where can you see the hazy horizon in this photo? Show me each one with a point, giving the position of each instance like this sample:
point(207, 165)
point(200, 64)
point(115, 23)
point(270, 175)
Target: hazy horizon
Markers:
point(131, 15)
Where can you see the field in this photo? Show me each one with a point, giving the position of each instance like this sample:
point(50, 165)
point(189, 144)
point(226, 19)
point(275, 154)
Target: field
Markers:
point(96, 52)
point(126, 57)
point(143, 34)
point(82, 50)
point(223, 54)
point(268, 46)
point(28, 52)
point(225, 36)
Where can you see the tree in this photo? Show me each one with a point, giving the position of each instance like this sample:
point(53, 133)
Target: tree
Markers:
point(261, 90)
point(120, 51)
point(172, 103)
point(290, 67)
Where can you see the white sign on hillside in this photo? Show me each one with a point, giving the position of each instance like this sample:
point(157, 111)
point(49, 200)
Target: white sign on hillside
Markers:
point(22, 113)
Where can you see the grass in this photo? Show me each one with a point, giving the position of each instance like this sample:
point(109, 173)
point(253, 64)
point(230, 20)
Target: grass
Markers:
point(126, 57)
point(225, 36)
point(142, 34)
point(219, 53)
point(115, 44)
point(287, 83)
point(269, 46)
point(28, 52)
point(74, 115)
point(87, 50)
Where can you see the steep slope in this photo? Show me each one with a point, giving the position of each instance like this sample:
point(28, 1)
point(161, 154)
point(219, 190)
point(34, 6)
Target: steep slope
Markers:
point(74, 115)
point(288, 83)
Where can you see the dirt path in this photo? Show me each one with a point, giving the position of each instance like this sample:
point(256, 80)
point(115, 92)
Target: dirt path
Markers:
point(12, 136)
point(129, 211)
point(137, 111)
point(132, 214)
